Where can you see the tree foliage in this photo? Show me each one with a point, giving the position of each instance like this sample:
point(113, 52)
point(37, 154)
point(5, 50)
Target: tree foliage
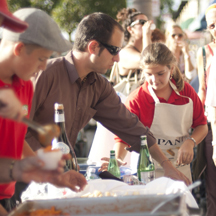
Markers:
point(68, 13)
point(165, 7)
point(46, 5)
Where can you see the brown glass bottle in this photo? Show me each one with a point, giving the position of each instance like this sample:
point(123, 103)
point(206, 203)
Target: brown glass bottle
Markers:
point(62, 141)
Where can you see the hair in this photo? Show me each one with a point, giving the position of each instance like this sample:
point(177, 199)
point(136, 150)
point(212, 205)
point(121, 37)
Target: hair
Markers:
point(159, 54)
point(96, 26)
point(125, 17)
point(31, 47)
point(157, 36)
point(212, 6)
point(167, 32)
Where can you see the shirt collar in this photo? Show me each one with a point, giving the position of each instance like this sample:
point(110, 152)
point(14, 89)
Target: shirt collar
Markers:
point(150, 99)
point(72, 71)
point(16, 84)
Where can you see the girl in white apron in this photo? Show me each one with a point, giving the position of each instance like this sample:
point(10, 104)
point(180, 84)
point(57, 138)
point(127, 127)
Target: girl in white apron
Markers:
point(169, 107)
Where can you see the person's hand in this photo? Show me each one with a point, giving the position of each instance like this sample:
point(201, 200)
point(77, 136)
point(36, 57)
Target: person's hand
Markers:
point(214, 154)
point(171, 172)
point(71, 179)
point(105, 164)
point(31, 169)
point(147, 31)
point(185, 153)
point(12, 107)
point(184, 46)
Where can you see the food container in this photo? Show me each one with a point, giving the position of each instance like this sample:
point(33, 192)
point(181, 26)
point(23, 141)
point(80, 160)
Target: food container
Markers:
point(106, 206)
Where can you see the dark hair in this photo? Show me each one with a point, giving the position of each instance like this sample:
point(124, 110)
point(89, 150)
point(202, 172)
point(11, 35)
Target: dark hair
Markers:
point(96, 26)
point(159, 54)
point(157, 36)
point(125, 17)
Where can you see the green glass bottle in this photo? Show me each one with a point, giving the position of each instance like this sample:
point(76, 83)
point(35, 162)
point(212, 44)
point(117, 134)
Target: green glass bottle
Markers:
point(145, 166)
point(113, 167)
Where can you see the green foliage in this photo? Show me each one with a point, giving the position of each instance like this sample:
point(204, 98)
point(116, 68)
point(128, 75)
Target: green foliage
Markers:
point(110, 7)
point(165, 7)
point(68, 13)
point(46, 5)
point(16, 4)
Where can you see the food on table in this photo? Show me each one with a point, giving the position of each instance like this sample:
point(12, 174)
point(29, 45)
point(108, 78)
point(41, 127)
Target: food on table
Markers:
point(50, 157)
point(97, 193)
point(43, 212)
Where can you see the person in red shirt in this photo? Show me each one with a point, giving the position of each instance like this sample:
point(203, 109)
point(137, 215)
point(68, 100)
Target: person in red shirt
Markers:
point(169, 107)
point(13, 108)
point(22, 55)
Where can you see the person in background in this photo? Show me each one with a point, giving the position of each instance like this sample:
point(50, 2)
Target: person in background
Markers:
point(206, 71)
point(22, 55)
point(158, 36)
point(176, 41)
point(13, 108)
point(169, 107)
point(75, 80)
point(137, 35)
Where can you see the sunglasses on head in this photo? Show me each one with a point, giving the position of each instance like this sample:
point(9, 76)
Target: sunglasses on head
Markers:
point(179, 35)
point(140, 21)
point(113, 50)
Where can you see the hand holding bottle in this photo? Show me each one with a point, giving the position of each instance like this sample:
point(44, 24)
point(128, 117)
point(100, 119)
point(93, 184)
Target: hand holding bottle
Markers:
point(148, 28)
point(105, 164)
point(184, 46)
point(113, 167)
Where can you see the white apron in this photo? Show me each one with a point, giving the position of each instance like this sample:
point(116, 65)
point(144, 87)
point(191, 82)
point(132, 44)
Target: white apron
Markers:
point(170, 126)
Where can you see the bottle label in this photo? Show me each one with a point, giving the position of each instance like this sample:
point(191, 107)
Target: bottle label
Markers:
point(144, 140)
point(146, 177)
point(59, 118)
point(62, 146)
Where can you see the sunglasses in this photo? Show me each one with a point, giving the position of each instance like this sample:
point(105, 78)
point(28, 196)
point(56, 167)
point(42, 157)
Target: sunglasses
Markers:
point(141, 21)
point(212, 26)
point(179, 35)
point(113, 50)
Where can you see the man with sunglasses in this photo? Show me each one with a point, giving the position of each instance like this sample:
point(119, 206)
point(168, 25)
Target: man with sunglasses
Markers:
point(75, 80)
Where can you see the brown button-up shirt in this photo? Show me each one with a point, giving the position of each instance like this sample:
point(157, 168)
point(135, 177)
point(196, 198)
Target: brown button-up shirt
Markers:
point(94, 98)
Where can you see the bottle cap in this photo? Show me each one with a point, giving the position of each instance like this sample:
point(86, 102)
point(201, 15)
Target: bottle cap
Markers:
point(58, 106)
point(143, 140)
point(153, 26)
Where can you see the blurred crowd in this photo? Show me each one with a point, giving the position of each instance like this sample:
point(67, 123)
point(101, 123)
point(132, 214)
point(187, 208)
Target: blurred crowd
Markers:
point(170, 92)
